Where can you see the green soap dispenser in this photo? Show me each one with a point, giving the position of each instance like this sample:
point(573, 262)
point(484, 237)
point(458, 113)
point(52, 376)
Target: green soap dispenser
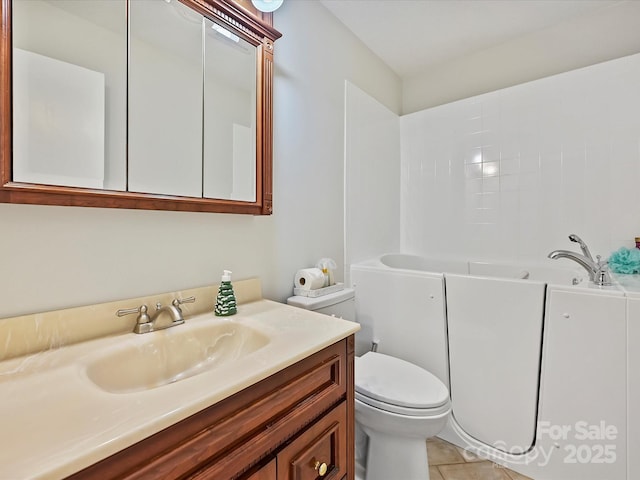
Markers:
point(226, 299)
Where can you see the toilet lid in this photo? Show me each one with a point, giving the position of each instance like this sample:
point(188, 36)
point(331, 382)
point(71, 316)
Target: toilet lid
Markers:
point(397, 382)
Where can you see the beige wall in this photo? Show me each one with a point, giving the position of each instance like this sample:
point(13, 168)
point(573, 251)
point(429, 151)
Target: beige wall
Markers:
point(614, 32)
point(314, 58)
point(55, 257)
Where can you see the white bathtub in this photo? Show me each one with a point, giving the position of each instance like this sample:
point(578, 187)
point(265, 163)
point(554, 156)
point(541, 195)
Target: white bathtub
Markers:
point(487, 347)
point(551, 271)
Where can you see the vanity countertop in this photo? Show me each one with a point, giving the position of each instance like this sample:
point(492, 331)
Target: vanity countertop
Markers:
point(56, 421)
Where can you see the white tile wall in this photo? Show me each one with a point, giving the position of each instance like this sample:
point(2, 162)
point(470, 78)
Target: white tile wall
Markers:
point(511, 173)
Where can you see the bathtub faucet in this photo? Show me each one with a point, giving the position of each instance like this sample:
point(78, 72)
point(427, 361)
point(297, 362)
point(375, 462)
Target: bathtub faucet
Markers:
point(597, 269)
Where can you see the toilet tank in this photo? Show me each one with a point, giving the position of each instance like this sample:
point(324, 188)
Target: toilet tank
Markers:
point(339, 304)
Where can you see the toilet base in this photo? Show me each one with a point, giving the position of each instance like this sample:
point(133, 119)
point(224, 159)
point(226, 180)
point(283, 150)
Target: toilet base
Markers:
point(391, 457)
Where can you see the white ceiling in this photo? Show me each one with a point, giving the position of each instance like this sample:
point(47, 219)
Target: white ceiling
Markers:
point(413, 35)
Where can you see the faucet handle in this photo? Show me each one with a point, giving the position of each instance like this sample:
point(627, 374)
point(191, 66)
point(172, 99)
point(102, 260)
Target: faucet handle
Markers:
point(600, 263)
point(142, 310)
point(177, 302)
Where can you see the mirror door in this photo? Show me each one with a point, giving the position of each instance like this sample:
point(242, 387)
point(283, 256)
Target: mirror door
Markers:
point(229, 163)
point(69, 95)
point(165, 98)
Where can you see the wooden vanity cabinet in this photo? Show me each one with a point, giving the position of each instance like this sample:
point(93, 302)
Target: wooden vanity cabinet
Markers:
point(297, 424)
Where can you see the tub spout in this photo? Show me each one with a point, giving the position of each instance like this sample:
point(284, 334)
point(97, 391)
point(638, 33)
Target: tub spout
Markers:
point(584, 261)
point(597, 270)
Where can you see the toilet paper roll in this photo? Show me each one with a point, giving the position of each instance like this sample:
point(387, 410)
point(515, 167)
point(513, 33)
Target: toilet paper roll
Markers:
point(309, 279)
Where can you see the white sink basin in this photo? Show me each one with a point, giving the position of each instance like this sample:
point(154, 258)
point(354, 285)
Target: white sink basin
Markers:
point(160, 358)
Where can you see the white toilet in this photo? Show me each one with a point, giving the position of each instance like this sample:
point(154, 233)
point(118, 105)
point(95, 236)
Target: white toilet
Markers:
point(398, 404)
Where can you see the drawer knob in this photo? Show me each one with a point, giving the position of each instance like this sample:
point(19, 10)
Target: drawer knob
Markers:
point(321, 468)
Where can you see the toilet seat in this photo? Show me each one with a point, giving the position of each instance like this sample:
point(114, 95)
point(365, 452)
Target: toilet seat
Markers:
point(405, 411)
point(397, 386)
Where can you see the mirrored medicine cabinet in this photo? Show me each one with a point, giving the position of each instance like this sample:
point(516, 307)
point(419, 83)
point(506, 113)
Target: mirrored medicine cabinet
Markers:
point(146, 104)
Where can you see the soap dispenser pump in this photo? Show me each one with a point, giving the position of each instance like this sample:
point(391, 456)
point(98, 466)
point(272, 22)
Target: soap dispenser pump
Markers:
point(226, 299)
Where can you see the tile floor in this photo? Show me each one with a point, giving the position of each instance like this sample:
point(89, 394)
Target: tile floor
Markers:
point(449, 462)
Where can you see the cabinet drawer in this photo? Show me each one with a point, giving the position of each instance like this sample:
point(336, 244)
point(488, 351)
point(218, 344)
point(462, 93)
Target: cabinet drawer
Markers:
point(268, 472)
point(319, 452)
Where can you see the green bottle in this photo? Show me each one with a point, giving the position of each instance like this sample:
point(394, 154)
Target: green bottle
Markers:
point(226, 299)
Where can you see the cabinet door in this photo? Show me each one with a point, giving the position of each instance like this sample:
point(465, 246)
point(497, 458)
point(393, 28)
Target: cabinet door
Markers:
point(582, 421)
point(319, 452)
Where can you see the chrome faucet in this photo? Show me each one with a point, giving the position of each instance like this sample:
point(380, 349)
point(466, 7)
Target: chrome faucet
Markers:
point(598, 270)
point(146, 323)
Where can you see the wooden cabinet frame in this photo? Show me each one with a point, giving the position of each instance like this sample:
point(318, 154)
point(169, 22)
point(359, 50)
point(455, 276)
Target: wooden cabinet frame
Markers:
point(235, 15)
